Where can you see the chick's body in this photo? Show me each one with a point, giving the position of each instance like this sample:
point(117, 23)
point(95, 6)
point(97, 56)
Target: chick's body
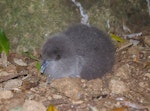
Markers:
point(81, 51)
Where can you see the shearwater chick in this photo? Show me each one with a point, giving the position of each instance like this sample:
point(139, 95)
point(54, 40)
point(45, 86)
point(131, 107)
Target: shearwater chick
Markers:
point(80, 51)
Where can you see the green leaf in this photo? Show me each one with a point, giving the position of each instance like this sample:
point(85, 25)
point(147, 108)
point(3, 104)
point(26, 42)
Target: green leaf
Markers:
point(4, 42)
point(1, 49)
point(38, 66)
point(117, 38)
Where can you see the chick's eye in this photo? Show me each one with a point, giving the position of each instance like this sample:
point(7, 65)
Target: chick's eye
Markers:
point(58, 57)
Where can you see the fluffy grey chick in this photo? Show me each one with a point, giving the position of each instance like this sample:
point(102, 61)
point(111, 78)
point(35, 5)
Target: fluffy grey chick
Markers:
point(80, 51)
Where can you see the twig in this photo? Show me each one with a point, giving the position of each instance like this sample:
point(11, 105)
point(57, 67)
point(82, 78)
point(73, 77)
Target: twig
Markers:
point(125, 46)
point(8, 77)
point(135, 105)
point(130, 36)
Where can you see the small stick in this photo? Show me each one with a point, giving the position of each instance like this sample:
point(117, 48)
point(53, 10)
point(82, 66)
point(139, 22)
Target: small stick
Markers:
point(125, 46)
point(8, 77)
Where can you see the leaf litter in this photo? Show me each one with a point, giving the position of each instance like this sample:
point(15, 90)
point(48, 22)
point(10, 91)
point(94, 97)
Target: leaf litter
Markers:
point(126, 88)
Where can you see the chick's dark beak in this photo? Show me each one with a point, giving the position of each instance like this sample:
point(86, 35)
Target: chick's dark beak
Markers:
point(44, 66)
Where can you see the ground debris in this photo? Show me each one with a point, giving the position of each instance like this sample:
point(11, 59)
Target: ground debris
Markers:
point(126, 88)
